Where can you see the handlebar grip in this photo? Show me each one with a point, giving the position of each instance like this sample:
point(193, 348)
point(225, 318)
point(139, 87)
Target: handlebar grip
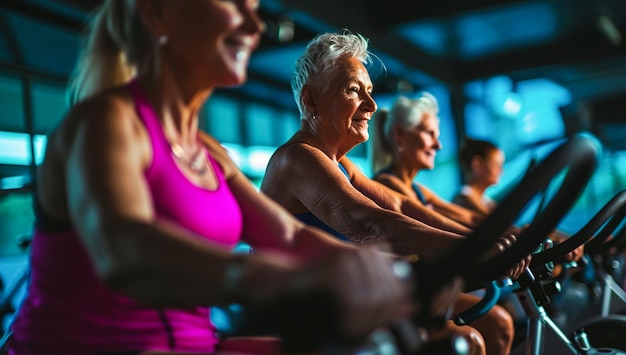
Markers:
point(481, 308)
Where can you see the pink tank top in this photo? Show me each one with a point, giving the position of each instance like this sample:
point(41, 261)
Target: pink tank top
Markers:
point(68, 310)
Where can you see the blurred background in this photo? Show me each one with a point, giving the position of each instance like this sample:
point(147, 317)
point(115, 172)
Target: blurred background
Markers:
point(523, 74)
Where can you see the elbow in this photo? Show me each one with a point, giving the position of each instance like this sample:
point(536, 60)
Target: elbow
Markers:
point(132, 280)
point(117, 273)
point(116, 260)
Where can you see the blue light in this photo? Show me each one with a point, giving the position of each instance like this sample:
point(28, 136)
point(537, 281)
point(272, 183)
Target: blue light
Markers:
point(15, 150)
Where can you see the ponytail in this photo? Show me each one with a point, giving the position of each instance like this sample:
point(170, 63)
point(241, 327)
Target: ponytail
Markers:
point(113, 47)
point(405, 114)
point(380, 145)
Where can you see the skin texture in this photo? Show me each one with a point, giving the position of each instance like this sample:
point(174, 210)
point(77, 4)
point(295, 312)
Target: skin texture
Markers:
point(93, 177)
point(303, 176)
point(415, 150)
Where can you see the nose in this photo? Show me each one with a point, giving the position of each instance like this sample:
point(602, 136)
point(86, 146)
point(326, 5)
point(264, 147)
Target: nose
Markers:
point(369, 103)
point(438, 144)
point(253, 22)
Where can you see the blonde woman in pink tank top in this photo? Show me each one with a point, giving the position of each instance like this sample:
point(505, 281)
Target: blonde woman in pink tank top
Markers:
point(137, 209)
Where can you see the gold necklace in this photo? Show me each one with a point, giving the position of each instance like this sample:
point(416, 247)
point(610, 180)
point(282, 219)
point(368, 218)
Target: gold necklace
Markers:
point(197, 162)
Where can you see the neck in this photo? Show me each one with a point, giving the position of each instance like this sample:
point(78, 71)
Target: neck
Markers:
point(326, 143)
point(403, 172)
point(477, 186)
point(177, 101)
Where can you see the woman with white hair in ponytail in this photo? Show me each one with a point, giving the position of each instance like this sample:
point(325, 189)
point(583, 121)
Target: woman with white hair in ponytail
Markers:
point(137, 210)
point(406, 141)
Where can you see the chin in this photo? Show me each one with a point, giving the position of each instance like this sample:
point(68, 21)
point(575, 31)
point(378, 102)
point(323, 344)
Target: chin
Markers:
point(234, 81)
point(234, 75)
point(361, 137)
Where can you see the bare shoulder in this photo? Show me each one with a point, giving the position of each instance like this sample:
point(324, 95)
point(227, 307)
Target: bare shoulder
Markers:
point(295, 169)
point(296, 160)
point(111, 111)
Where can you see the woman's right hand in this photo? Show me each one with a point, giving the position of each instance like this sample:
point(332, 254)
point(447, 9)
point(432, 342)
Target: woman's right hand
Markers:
point(371, 289)
point(503, 243)
point(346, 295)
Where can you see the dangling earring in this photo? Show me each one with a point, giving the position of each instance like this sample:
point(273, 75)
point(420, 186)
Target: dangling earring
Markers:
point(163, 40)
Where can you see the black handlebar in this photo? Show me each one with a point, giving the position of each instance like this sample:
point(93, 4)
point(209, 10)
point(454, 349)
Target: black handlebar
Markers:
point(315, 322)
point(578, 157)
point(602, 242)
point(613, 210)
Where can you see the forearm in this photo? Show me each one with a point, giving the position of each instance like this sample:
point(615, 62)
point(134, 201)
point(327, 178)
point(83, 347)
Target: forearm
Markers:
point(433, 218)
point(308, 243)
point(461, 216)
point(404, 235)
point(311, 243)
point(162, 265)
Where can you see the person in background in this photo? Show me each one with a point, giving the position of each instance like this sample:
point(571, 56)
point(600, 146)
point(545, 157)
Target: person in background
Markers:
point(137, 209)
point(405, 141)
point(313, 179)
point(482, 163)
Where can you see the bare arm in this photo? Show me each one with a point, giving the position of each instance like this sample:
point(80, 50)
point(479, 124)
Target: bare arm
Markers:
point(133, 251)
point(392, 198)
point(471, 204)
point(458, 213)
point(303, 173)
point(266, 224)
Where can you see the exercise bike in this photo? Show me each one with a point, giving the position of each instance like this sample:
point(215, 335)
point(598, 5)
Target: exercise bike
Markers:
point(316, 330)
point(535, 288)
point(604, 320)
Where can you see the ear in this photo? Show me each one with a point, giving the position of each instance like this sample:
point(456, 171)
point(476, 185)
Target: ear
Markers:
point(398, 136)
point(308, 98)
point(476, 162)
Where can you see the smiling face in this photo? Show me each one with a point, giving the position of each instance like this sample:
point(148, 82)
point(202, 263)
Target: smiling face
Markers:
point(344, 103)
point(213, 39)
point(418, 146)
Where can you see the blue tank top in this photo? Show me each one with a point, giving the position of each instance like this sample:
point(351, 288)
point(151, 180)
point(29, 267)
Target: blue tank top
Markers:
point(312, 220)
point(416, 189)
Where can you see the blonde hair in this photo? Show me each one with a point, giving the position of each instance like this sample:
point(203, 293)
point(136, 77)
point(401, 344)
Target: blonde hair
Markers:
point(405, 113)
point(116, 43)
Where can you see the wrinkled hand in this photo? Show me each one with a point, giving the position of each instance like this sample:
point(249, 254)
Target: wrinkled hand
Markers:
point(574, 255)
point(517, 270)
point(501, 244)
point(371, 289)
